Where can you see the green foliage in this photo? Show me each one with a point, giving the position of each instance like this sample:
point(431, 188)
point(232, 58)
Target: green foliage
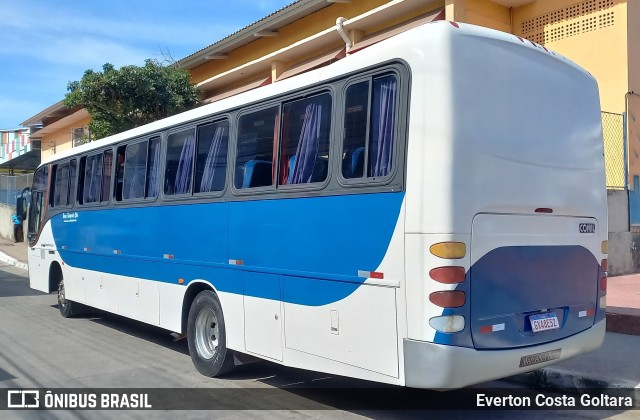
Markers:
point(131, 96)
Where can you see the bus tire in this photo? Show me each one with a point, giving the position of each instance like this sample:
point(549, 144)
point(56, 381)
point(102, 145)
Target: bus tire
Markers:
point(66, 307)
point(206, 336)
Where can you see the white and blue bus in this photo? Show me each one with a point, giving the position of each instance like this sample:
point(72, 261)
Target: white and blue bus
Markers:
point(428, 211)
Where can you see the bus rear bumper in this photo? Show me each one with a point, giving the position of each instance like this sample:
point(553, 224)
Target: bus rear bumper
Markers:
point(436, 366)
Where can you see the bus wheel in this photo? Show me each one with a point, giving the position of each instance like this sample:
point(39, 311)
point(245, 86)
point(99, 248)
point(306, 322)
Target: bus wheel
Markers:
point(206, 335)
point(66, 307)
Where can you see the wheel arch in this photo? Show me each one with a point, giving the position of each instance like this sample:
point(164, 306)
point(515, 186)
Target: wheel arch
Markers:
point(190, 294)
point(55, 275)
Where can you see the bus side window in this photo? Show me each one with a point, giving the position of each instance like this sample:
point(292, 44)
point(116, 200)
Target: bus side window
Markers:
point(369, 128)
point(179, 163)
point(256, 138)
point(304, 146)
point(81, 179)
point(61, 185)
point(135, 163)
point(106, 175)
point(153, 168)
point(211, 163)
point(119, 172)
point(73, 171)
point(52, 190)
point(92, 179)
point(38, 192)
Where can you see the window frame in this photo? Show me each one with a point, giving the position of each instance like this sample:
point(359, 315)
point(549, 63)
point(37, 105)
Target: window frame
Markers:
point(279, 101)
point(318, 185)
point(71, 184)
point(163, 160)
point(399, 130)
point(230, 135)
point(82, 161)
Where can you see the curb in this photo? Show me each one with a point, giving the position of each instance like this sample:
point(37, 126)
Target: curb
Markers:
point(554, 378)
point(623, 323)
point(12, 261)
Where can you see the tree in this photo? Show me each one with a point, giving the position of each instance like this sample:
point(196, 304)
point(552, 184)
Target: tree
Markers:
point(118, 100)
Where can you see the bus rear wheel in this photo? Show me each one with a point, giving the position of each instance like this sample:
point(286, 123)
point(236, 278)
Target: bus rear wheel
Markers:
point(206, 335)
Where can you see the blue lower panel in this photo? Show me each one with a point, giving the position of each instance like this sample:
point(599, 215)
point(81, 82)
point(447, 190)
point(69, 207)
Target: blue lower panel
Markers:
point(511, 283)
point(329, 238)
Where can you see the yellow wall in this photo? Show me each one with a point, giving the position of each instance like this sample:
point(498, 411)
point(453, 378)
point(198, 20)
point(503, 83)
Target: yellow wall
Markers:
point(61, 139)
point(300, 29)
point(479, 12)
point(633, 44)
point(583, 32)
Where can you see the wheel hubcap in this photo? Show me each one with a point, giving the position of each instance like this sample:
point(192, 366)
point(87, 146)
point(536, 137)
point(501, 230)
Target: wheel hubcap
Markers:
point(207, 333)
point(62, 301)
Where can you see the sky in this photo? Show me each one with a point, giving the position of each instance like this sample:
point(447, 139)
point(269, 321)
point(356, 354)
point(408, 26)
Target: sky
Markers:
point(46, 44)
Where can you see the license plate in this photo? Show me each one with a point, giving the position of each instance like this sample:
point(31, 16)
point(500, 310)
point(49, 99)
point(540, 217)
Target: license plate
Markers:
point(544, 322)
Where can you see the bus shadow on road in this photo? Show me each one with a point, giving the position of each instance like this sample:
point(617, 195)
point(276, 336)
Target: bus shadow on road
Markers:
point(133, 328)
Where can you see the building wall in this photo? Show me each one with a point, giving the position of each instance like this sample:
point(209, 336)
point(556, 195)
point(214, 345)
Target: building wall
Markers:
point(300, 29)
point(13, 143)
point(480, 12)
point(633, 141)
point(620, 238)
point(592, 33)
point(633, 98)
point(61, 139)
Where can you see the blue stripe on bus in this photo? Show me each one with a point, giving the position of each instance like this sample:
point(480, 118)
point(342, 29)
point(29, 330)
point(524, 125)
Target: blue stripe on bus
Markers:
point(299, 238)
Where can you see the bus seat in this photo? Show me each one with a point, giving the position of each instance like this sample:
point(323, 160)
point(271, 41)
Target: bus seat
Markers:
point(320, 170)
point(357, 162)
point(352, 163)
point(257, 173)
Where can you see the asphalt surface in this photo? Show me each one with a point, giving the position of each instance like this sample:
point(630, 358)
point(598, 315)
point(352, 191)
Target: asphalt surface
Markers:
point(40, 349)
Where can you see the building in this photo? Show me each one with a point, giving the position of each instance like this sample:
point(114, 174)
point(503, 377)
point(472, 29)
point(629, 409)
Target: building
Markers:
point(597, 34)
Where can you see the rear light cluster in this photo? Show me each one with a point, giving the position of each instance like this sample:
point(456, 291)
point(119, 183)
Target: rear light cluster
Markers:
point(448, 275)
point(603, 281)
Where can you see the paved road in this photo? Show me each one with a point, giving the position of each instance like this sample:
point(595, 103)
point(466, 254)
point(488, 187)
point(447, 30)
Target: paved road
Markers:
point(38, 348)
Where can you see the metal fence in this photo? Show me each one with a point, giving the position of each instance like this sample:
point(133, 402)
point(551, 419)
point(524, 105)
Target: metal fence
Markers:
point(615, 150)
point(11, 187)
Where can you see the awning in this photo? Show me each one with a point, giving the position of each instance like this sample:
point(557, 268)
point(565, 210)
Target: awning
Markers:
point(26, 162)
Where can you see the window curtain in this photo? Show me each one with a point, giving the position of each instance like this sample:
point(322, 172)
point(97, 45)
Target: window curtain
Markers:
point(94, 176)
point(154, 168)
point(206, 184)
point(307, 151)
point(183, 177)
point(135, 163)
point(384, 113)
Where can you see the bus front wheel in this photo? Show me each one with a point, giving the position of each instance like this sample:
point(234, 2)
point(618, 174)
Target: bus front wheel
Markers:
point(206, 335)
point(66, 307)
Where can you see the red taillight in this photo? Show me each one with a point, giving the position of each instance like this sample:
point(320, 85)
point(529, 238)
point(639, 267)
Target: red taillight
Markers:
point(604, 265)
point(603, 284)
point(544, 210)
point(448, 299)
point(448, 275)
point(455, 24)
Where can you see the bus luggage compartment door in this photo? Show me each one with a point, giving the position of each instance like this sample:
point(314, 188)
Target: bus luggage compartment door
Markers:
point(534, 279)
